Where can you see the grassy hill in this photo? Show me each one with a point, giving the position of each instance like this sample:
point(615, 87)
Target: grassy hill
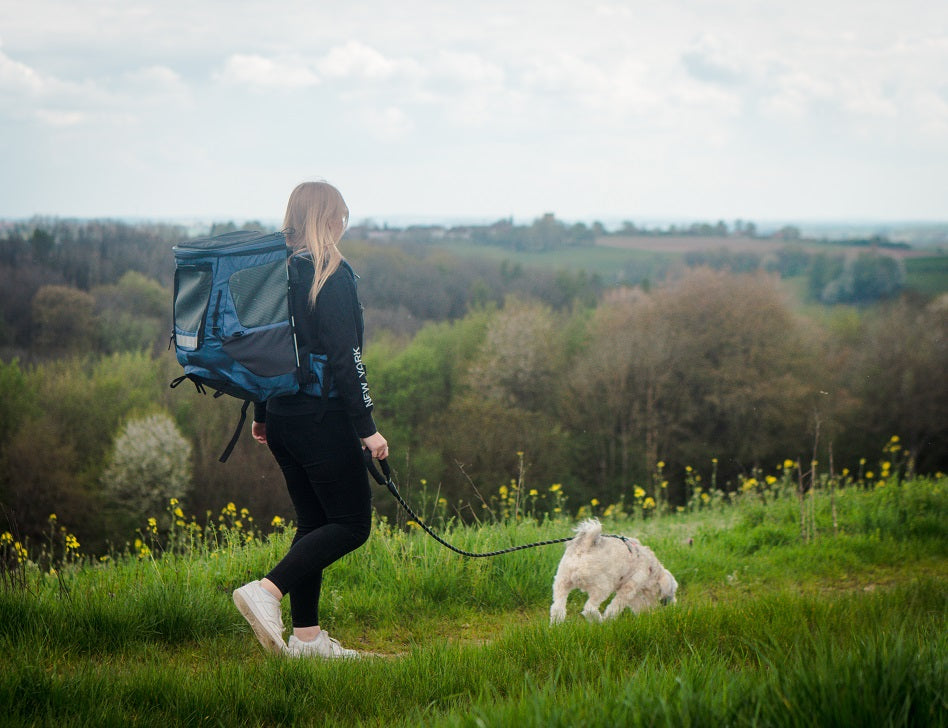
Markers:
point(830, 610)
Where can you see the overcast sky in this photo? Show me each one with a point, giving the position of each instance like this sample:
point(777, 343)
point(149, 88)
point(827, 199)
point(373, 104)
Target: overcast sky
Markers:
point(690, 109)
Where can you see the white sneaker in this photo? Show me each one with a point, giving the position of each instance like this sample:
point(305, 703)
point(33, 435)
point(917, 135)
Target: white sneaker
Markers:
point(322, 646)
point(262, 610)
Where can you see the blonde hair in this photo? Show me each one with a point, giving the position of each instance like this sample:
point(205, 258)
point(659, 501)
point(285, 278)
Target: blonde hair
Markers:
point(316, 217)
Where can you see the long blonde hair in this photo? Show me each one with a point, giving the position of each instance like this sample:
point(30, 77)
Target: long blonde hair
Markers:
point(316, 217)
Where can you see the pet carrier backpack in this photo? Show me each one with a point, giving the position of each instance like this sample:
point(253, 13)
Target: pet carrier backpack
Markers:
point(233, 321)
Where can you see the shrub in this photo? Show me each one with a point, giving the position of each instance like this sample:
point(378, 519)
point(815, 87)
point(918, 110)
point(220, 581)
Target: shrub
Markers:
point(150, 465)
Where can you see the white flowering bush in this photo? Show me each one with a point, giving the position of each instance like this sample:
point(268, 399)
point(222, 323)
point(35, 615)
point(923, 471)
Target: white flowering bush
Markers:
point(150, 465)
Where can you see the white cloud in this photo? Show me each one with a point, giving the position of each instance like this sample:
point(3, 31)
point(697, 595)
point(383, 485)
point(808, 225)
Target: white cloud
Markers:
point(388, 124)
point(155, 75)
point(255, 70)
point(18, 76)
point(661, 104)
point(468, 68)
point(713, 61)
point(355, 60)
point(61, 118)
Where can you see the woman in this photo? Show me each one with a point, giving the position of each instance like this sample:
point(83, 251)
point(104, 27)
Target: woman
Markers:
point(317, 441)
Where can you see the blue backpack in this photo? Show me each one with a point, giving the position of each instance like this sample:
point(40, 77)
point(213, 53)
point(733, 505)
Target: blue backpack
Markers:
point(234, 326)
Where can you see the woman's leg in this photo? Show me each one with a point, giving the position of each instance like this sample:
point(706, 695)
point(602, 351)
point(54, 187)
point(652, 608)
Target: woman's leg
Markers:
point(328, 484)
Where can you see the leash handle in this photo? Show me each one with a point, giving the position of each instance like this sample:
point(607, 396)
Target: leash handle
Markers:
point(387, 481)
point(383, 478)
point(370, 465)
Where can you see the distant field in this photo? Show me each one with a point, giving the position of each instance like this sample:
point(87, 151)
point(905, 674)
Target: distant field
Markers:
point(613, 264)
point(689, 243)
point(692, 244)
point(636, 258)
point(928, 275)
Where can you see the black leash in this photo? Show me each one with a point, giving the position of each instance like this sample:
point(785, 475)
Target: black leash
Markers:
point(387, 481)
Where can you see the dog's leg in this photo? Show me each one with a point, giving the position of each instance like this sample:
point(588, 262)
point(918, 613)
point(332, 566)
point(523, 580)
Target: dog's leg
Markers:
point(591, 609)
point(628, 596)
point(558, 608)
point(622, 600)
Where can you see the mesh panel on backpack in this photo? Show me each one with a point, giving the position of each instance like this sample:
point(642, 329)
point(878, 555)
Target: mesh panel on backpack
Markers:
point(259, 294)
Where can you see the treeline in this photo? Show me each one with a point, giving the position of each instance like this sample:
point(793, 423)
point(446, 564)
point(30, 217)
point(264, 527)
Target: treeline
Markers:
point(863, 278)
point(547, 233)
point(102, 287)
point(482, 372)
point(711, 367)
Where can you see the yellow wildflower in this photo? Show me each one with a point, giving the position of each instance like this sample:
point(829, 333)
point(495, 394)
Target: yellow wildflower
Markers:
point(639, 492)
point(594, 502)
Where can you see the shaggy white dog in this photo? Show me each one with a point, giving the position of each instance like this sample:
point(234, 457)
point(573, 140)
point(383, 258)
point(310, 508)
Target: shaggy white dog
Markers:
point(602, 565)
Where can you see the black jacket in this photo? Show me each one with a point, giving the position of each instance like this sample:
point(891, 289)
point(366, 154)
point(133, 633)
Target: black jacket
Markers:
point(334, 327)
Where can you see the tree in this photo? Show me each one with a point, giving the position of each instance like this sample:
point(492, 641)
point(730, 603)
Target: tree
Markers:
point(709, 366)
point(149, 465)
point(898, 376)
point(132, 314)
point(63, 320)
point(867, 278)
point(17, 400)
point(41, 244)
point(519, 359)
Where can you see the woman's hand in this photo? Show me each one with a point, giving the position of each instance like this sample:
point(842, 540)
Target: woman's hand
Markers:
point(377, 445)
point(259, 432)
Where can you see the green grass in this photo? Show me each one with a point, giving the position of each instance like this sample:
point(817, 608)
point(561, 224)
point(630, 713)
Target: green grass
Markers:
point(928, 276)
point(847, 628)
point(613, 265)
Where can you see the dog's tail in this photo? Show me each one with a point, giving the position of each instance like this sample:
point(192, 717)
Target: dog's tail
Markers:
point(588, 534)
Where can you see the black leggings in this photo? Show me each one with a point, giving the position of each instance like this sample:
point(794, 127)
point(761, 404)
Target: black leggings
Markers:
point(328, 484)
